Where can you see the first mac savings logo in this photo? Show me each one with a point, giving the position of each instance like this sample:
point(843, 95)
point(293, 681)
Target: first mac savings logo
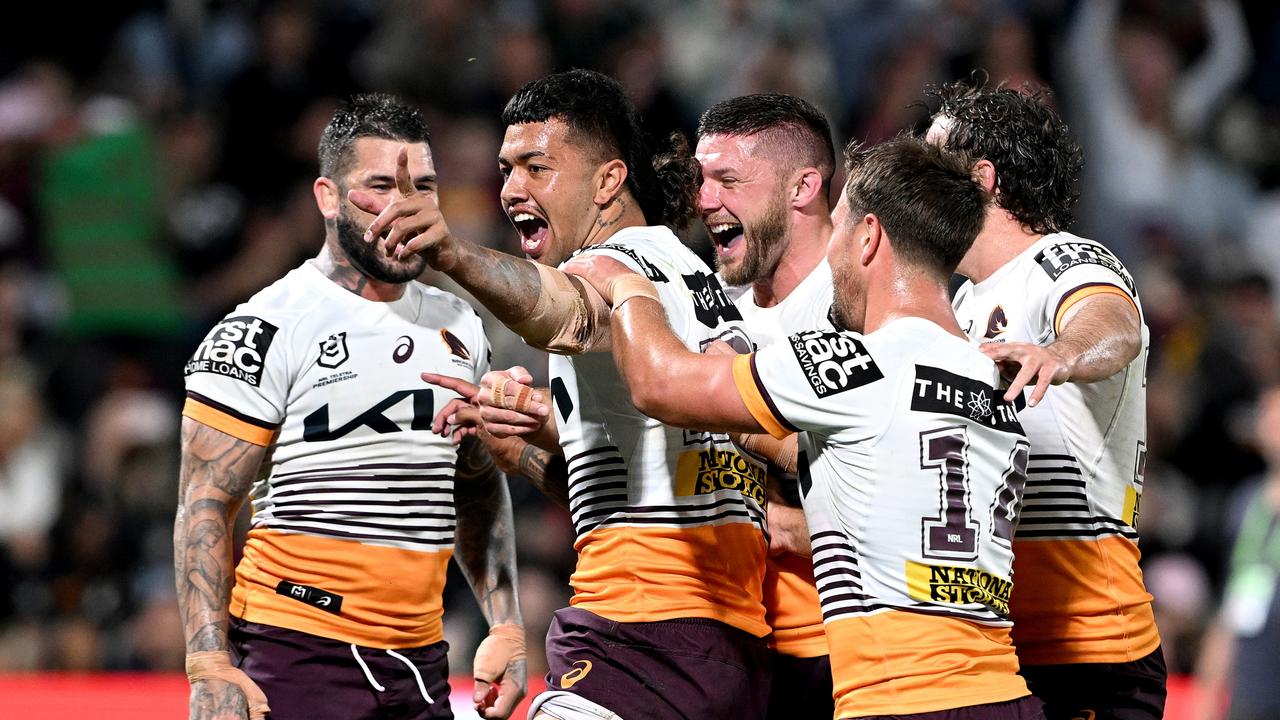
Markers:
point(236, 348)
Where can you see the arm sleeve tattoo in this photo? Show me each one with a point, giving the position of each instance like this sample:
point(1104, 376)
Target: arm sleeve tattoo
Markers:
point(216, 474)
point(485, 540)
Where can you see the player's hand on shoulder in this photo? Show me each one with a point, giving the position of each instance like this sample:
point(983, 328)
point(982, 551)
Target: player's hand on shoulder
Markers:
point(411, 223)
point(1027, 364)
point(600, 271)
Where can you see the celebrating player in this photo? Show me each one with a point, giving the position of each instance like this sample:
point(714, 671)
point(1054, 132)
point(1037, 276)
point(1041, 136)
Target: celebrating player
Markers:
point(335, 609)
point(666, 617)
point(911, 464)
point(1054, 308)
point(767, 162)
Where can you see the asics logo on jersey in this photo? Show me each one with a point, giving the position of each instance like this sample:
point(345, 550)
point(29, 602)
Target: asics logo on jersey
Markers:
point(833, 361)
point(236, 348)
point(579, 671)
point(333, 351)
point(403, 350)
point(997, 323)
point(316, 425)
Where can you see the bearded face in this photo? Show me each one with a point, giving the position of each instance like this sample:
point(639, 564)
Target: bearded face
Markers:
point(368, 257)
point(763, 241)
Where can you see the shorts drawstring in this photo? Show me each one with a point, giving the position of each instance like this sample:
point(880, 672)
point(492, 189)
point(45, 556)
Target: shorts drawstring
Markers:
point(416, 675)
point(422, 688)
point(368, 675)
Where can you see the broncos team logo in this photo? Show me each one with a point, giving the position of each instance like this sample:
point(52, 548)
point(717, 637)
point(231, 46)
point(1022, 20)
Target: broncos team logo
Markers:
point(455, 345)
point(997, 323)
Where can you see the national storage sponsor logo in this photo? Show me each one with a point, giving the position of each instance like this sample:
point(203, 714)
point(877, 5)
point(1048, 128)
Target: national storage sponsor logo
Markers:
point(702, 472)
point(236, 347)
point(952, 585)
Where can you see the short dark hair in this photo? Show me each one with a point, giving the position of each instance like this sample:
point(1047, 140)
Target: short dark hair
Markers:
point(926, 199)
point(796, 128)
point(1037, 161)
point(603, 120)
point(371, 115)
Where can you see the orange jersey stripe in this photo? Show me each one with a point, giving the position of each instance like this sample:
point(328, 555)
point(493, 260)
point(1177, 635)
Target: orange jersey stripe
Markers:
point(749, 389)
point(642, 574)
point(1088, 291)
point(901, 663)
point(229, 424)
point(791, 607)
point(391, 598)
point(1080, 601)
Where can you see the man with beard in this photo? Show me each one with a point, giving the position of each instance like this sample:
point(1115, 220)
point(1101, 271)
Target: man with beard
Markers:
point(666, 618)
point(334, 611)
point(910, 461)
point(767, 162)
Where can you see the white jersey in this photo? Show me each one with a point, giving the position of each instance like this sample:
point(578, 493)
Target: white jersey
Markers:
point(807, 307)
point(911, 469)
point(791, 603)
point(353, 520)
point(670, 522)
point(1077, 535)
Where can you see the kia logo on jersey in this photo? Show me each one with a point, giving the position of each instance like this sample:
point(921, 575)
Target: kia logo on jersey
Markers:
point(333, 351)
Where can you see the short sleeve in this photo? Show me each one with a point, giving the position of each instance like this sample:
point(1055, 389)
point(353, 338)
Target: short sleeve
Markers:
point(237, 379)
point(484, 351)
point(660, 272)
point(800, 384)
point(1077, 270)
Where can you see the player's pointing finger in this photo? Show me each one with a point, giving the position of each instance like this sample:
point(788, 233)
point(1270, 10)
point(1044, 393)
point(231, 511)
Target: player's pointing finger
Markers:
point(404, 183)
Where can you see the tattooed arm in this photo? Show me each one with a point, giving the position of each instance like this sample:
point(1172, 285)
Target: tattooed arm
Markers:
point(485, 550)
point(546, 470)
point(216, 474)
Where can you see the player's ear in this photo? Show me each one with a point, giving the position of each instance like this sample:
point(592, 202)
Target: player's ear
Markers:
point(984, 173)
point(328, 197)
point(870, 243)
point(610, 178)
point(806, 187)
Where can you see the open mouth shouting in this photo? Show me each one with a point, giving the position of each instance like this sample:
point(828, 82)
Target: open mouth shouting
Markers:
point(533, 231)
point(726, 236)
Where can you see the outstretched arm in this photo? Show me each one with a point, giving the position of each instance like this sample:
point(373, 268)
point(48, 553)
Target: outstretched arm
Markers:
point(216, 474)
point(485, 550)
point(667, 381)
point(1099, 336)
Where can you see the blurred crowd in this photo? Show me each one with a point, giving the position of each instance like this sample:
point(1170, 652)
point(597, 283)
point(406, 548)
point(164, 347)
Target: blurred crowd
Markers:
point(156, 166)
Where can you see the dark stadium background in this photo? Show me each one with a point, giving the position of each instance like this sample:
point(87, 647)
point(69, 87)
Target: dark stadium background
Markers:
point(156, 160)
